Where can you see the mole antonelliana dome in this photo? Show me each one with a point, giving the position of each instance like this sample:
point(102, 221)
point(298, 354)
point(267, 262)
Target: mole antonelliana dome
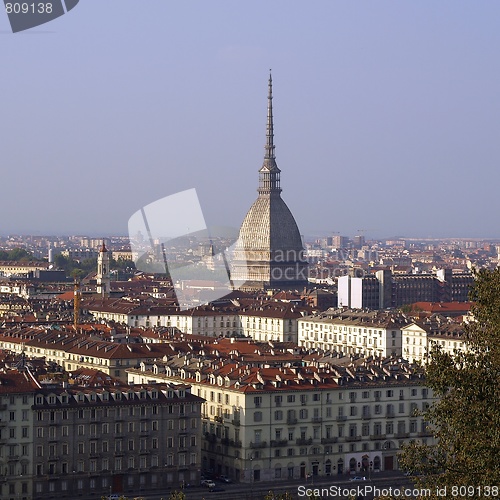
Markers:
point(269, 252)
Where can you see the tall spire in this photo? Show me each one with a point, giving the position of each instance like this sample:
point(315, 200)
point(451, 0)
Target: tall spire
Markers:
point(269, 174)
point(270, 127)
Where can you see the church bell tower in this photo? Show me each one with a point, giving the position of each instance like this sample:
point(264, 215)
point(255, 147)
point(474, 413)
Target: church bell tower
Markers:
point(103, 276)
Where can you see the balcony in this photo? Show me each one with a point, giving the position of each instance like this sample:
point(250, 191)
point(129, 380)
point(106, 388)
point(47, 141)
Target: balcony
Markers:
point(3, 407)
point(390, 414)
point(376, 437)
point(317, 419)
point(291, 421)
point(304, 441)
point(329, 440)
point(205, 416)
point(353, 438)
point(425, 434)
point(279, 443)
point(262, 444)
point(236, 422)
point(402, 435)
point(219, 419)
point(341, 418)
point(366, 416)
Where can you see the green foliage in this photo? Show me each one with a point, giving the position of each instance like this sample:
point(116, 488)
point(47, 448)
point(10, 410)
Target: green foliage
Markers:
point(86, 266)
point(122, 265)
point(177, 495)
point(466, 418)
point(74, 268)
point(271, 495)
point(410, 309)
point(16, 254)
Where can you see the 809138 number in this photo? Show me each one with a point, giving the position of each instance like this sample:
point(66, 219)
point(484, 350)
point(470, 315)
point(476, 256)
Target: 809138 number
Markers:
point(25, 8)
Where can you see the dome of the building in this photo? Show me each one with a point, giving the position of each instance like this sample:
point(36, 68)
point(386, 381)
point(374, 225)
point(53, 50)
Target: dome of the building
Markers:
point(269, 251)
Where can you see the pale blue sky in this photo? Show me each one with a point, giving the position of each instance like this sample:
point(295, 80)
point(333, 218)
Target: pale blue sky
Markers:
point(387, 114)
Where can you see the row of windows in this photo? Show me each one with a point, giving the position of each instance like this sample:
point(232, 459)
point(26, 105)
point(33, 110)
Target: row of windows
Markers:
point(367, 429)
point(118, 464)
point(341, 448)
point(97, 414)
point(118, 427)
point(118, 445)
point(12, 399)
point(13, 415)
point(366, 411)
point(93, 483)
point(304, 398)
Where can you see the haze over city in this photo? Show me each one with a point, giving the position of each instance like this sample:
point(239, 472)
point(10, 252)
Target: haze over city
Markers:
point(386, 114)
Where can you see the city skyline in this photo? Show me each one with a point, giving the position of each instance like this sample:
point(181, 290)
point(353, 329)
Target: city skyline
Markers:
point(385, 116)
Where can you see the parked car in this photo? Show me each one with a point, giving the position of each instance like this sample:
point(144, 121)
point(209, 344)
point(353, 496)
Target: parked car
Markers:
point(208, 483)
point(358, 478)
point(225, 479)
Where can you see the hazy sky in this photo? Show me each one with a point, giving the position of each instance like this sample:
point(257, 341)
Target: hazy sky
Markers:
point(387, 114)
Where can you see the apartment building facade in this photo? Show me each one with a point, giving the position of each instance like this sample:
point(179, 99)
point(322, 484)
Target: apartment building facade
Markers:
point(264, 321)
point(72, 351)
point(386, 289)
point(353, 332)
point(279, 423)
point(419, 337)
point(17, 391)
point(69, 442)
